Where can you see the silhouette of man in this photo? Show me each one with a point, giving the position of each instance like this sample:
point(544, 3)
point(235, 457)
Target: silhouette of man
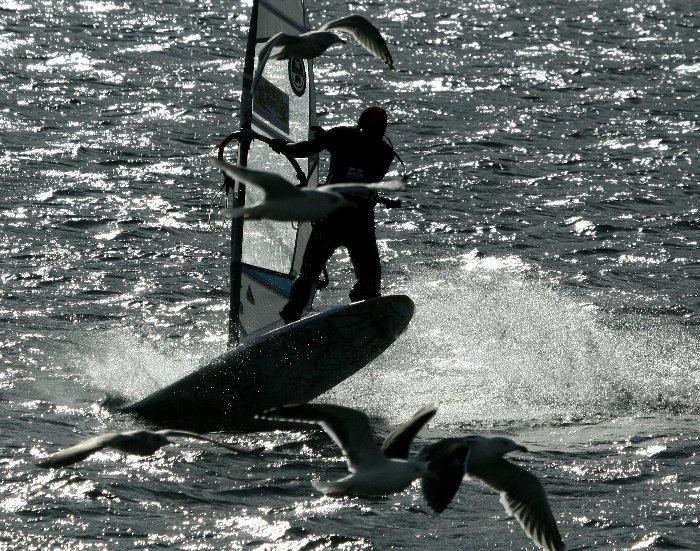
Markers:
point(357, 154)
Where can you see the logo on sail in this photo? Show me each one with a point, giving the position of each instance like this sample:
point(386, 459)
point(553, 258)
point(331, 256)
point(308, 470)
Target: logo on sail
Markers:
point(297, 76)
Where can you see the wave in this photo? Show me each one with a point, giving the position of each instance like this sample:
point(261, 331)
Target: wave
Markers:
point(128, 367)
point(490, 342)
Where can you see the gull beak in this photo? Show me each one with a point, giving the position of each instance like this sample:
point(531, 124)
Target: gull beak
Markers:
point(522, 449)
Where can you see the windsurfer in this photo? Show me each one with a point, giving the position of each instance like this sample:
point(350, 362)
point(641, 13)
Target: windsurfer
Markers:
point(357, 154)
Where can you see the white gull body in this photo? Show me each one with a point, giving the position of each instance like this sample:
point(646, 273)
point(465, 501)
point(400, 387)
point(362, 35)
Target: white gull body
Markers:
point(372, 473)
point(481, 458)
point(136, 442)
point(312, 44)
point(286, 202)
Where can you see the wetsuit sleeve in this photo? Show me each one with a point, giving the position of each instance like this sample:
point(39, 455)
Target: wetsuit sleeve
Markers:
point(305, 149)
point(311, 147)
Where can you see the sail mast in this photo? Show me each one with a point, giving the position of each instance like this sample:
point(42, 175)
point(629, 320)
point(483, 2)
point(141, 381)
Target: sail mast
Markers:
point(246, 117)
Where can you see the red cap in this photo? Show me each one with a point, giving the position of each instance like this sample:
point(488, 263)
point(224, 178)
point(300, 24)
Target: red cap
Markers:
point(373, 119)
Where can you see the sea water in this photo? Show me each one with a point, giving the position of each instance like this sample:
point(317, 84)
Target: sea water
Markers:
point(548, 236)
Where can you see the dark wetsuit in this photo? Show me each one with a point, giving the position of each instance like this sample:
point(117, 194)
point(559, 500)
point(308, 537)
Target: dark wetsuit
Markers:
point(355, 156)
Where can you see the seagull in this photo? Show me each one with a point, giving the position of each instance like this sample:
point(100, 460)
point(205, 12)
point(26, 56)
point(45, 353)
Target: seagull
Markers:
point(397, 444)
point(286, 202)
point(372, 473)
point(313, 43)
point(137, 442)
point(481, 458)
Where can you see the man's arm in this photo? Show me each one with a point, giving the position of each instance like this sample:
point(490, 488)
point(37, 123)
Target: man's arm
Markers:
point(305, 149)
point(318, 143)
point(321, 141)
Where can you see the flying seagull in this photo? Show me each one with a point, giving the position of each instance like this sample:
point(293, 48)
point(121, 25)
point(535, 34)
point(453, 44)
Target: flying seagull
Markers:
point(137, 442)
point(313, 43)
point(372, 473)
point(398, 443)
point(481, 458)
point(287, 202)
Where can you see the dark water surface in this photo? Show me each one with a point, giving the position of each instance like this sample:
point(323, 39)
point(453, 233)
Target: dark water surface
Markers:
point(549, 238)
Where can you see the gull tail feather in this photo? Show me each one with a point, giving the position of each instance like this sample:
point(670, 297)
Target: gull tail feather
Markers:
point(236, 213)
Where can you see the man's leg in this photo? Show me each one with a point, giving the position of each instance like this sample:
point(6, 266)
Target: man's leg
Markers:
point(318, 251)
point(364, 256)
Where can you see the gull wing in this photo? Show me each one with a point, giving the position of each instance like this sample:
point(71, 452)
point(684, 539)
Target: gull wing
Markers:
point(245, 212)
point(397, 444)
point(194, 435)
point(524, 497)
point(447, 461)
point(349, 429)
point(273, 185)
point(349, 187)
point(280, 39)
point(79, 452)
point(366, 35)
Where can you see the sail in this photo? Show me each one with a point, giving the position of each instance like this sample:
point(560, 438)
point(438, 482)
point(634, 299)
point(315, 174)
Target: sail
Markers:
point(283, 106)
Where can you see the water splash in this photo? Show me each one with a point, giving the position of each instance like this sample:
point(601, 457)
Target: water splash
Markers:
point(489, 342)
point(122, 364)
